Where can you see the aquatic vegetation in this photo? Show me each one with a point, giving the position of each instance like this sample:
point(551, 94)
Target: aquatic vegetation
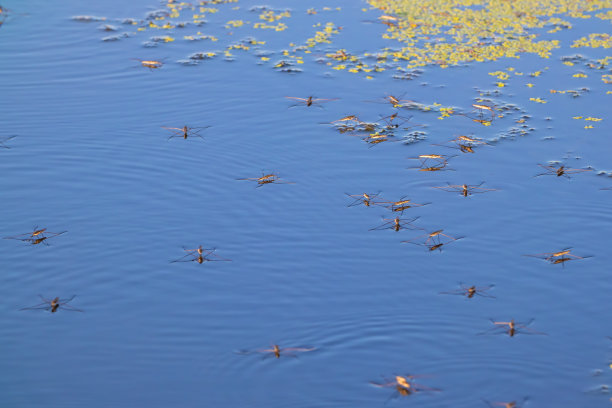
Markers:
point(588, 119)
point(185, 131)
point(53, 305)
point(451, 32)
point(511, 328)
point(594, 40)
point(575, 93)
point(470, 291)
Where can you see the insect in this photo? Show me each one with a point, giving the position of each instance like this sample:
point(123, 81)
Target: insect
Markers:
point(559, 257)
point(511, 328)
point(389, 21)
point(310, 101)
point(396, 224)
point(339, 55)
point(483, 122)
point(481, 108)
point(2, 145)
point(401, 205)
point(404, 385)
point(396, 102)
point(37, 236)
point(389, 121)
point(151, 64)
point(349, 118)
point(185, 131)
point(465, 144)
point(559, 170)
point(53, 305)
point(200, 255)
point(433, 240)
point(365, 199)
point(470, 291)
point(375, 138)
point(266, 179)
point(465, 189)
point(438, 167)
point(432, 161)
point(481, 113)
point(512, 404)
point(277, 351)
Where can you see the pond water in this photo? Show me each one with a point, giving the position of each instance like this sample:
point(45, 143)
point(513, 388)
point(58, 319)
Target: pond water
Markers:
point(90, 157)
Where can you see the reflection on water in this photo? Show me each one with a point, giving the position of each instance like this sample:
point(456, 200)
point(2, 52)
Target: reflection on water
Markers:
point(132, 125)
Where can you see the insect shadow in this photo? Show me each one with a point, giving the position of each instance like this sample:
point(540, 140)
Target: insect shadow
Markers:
point(2, 145)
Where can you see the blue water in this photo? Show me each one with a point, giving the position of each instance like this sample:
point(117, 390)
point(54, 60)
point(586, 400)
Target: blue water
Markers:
point(91, 157)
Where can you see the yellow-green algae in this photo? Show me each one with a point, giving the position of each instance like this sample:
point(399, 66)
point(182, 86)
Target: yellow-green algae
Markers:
point(447, 32)
point(419, 33)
